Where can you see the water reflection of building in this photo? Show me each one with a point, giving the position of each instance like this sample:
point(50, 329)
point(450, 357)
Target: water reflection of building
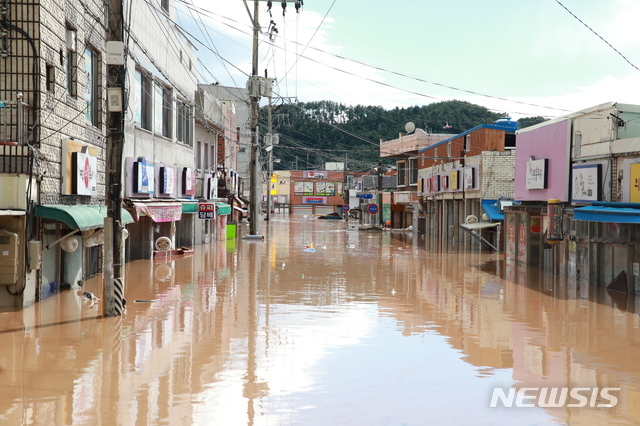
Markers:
point(531, 322)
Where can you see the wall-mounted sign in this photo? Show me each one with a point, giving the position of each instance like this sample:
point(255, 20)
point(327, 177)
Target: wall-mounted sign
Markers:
point(166, 180)
point(453, 179)
point(84, 171)
point(634, 183)
point(316, 175)
point(211, 188)
point(469, 178)
point(444, 182)
point(143, 177)
point(428, 184)
point(586, 183)
point(364, 196)
point(314, 200)
point(536, 174)
point(188, 181)
point(435, 183)
point(206, 211)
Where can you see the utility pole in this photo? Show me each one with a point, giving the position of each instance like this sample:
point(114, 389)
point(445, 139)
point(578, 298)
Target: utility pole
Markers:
point(113, 281)
point(269, 161)
point(255, 104)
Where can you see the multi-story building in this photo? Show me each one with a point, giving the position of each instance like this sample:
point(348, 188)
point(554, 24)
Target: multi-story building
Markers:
point(53, 132)
point(463, 179)
point(405, 149)
point(585, 164)
point(316, 192)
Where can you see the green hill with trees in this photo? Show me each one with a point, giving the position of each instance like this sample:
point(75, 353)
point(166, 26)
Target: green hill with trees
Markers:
point(313, 133)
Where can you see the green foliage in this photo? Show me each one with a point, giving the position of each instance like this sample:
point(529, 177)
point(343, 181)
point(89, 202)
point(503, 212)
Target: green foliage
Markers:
point(530, 121)
point(313, 133)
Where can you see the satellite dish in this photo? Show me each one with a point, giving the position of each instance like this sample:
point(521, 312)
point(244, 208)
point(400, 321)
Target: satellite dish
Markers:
point(409, 127)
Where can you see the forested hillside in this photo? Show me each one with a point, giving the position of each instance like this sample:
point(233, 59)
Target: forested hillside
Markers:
point(313, 133)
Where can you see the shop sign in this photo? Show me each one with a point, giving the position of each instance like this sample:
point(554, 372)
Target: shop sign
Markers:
point(536, 174)
point(206, 211)
point(586, 183)
point(84, 174)
point(314, 200)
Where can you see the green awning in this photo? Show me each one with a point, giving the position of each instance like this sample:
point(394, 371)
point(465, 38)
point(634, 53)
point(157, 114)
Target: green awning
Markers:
point(223, 208)
point(189, 207)
point(125, 216)
point(79, 216)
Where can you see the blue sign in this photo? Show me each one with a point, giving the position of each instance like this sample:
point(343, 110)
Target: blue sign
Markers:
point(365, 196)
point(373, 208)
point(346, 208)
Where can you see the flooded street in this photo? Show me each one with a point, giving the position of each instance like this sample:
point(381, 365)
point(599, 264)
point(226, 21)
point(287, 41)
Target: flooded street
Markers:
point(322, 324)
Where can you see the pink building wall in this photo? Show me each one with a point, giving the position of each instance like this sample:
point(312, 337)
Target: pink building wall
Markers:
point(553, 143)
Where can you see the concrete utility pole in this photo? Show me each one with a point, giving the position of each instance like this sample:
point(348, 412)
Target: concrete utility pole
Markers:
point(255, 104)
point(113, 282)
point(269, 162)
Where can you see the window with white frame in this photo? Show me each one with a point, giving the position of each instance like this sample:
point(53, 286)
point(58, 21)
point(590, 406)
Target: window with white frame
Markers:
point(142, 100)
point(91, 92)
point(449, 149)
point(413, 171)
point(183, 124)
point(467, 143)
point(402, 173)
point(162, 110)
point(71, 63)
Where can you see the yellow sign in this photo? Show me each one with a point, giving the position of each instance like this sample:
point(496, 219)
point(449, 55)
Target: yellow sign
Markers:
point(274, 181)
point(453, 179)
point(634, 184)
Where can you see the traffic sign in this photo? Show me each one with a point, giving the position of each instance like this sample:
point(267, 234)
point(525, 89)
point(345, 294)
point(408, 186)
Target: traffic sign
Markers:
point(346, 208)
point(373, 208)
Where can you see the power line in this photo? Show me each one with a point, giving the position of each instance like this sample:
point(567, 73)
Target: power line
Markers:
point(599, 36)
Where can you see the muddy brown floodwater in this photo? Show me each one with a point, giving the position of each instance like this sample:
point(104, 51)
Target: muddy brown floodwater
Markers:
point(322, 324)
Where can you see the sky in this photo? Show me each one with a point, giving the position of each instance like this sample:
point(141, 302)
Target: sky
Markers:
point(519, 57)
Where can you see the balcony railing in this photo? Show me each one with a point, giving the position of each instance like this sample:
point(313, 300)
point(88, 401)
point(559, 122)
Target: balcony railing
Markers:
point(15, 158)
point(14, 127)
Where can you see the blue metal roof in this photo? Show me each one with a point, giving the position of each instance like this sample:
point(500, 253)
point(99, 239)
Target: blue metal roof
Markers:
point(609, 212)
point(492, 209)
point(481, 126)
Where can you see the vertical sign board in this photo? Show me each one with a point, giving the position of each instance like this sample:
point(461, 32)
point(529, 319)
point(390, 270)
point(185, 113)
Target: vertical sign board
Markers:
point(167, 180)
point(469, 178)
point(634, 183)
point(84, 174)
point(536, 174)
point(453, 179)
point(586, 183)
point(143, 177)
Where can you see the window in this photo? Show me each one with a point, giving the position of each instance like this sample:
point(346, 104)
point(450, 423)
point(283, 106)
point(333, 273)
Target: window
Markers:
point(467, 143)
point(413, 171)
point(402, 173)
point(91, 86)
point(577, 144)
point(435, 153)
point(198, 155)
point(183, 126)
point(162, 111)
point(449, 149)
point(71, 63)
point(165, 4)
point(51, 78)
point(142, 100)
